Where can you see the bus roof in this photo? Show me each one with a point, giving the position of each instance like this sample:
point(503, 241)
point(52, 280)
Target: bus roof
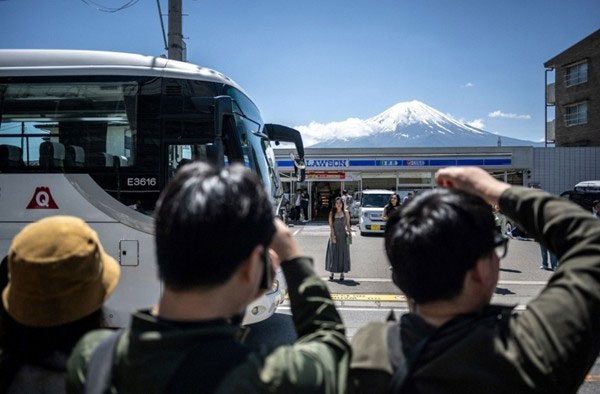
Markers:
point(64, 62)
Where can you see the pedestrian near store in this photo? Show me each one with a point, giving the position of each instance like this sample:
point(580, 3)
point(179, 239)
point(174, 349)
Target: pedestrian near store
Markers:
point(392, 206)
point(56, 278)
point(297, 204)
point(347, 199)
point(304, 201)
point(215, 231)
point(337, 258)
point(408, 198)
point(446, 255)
point(596, 209)
point(553, 259)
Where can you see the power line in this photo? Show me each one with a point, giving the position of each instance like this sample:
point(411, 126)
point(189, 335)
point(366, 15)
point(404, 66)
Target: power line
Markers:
point(104, 8)
point(162, 25)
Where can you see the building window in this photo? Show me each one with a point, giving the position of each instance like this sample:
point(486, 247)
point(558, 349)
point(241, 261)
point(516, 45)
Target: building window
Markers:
point(576, 114)
point(576, 74)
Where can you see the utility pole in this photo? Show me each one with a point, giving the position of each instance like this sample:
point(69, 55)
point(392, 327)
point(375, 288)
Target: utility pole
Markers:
point(175, 35)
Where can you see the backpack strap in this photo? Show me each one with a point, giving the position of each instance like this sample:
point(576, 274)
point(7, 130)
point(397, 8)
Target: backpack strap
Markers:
point(405, 367)
point(9, 365)
point(99, 368)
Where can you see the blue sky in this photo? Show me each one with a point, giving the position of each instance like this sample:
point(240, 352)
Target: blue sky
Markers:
point(328, 60)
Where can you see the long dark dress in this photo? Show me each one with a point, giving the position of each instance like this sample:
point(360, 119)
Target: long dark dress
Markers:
point(337, 258)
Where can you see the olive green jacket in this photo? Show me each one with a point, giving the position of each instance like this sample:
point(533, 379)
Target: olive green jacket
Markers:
point(150, 352)
point(547, 348)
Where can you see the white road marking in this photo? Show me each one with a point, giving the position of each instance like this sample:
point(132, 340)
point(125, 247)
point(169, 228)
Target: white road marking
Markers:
point(523, 282)
point(502, 282)
point(384, 308)
point(296, 232)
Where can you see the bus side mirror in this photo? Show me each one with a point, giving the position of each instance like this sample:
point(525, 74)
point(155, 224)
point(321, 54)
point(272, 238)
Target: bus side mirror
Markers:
point(277, 132)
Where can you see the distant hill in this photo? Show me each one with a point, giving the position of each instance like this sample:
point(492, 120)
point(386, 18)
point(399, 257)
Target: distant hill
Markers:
point(410, 124)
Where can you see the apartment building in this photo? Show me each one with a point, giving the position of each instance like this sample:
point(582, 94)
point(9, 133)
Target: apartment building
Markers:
point(575, 94)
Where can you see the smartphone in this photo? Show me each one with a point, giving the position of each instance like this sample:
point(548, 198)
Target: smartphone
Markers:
point(266, 282)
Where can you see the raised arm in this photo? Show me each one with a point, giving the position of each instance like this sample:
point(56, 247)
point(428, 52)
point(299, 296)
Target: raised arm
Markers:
point(331, 229)
point(348, 224)
point(558, 335)
point(318, 361)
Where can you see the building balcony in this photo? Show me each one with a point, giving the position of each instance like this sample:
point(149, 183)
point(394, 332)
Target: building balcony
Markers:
point(551, 131)
point(550, 94)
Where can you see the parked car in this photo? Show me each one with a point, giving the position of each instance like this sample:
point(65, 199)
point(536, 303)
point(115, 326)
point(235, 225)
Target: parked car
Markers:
point(584, 194)
point(371, 211)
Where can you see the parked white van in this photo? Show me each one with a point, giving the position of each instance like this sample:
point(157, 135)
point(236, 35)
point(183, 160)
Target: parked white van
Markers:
point(371, 211)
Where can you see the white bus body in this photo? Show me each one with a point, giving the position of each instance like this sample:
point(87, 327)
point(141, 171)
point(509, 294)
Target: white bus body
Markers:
point(98, 135)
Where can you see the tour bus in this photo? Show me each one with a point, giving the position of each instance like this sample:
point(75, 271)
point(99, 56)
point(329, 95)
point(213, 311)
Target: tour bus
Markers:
point(98, 135)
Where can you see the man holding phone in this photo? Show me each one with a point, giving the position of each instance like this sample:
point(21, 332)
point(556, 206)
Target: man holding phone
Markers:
point(215, 231)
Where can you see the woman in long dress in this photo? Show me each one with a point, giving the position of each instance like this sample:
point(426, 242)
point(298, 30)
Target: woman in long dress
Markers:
point(337, 259)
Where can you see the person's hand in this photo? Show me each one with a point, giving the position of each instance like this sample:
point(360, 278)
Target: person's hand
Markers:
point(473, 180)
point(283, 244)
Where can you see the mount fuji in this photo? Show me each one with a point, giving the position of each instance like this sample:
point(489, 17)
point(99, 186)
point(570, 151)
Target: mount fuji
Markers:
point(406, 124)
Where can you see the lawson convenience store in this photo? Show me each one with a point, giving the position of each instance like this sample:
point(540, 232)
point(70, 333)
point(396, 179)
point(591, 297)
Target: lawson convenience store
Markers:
point(329, 171)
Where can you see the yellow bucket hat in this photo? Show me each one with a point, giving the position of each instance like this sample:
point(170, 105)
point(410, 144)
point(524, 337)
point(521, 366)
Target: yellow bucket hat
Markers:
point(58, 273)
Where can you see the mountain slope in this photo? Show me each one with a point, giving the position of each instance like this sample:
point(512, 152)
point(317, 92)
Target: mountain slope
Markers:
point(407, 124)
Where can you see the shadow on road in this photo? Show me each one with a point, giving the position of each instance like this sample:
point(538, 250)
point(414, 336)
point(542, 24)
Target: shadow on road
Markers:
point(510, 270)
point(275, 331)
point(348, 282)
point(503, 291)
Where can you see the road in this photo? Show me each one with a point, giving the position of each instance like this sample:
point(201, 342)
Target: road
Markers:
point(368, 294)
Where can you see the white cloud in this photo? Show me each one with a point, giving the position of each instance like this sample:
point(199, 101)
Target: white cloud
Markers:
point(468, 85)
point(500, 114)
point(477, 123)
point(350, 128)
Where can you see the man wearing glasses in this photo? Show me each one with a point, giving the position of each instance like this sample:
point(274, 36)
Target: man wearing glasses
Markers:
point(445, 254)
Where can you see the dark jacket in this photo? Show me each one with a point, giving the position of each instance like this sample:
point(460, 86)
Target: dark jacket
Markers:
point(152, 352)
point(46, 375)
point(547, 348)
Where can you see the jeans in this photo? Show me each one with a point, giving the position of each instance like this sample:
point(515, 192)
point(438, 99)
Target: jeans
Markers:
point(553, 260)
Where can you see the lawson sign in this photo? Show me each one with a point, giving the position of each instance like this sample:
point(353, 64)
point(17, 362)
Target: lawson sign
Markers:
point(327, 163)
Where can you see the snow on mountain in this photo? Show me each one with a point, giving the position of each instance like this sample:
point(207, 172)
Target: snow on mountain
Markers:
point(406, 124)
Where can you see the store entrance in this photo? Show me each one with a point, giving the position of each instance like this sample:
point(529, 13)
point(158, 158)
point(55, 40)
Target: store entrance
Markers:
point(323, 194)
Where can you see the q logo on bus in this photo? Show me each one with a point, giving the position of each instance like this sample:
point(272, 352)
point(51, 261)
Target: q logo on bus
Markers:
point(42, 199)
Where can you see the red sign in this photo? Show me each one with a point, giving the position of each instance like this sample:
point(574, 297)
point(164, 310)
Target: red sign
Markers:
point(42, 199)
point(325, 174)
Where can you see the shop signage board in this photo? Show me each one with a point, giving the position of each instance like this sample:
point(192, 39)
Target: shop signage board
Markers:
point(399, 163)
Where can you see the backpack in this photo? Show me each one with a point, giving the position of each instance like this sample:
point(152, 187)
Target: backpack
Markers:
point(382, 339)
point(200, 372)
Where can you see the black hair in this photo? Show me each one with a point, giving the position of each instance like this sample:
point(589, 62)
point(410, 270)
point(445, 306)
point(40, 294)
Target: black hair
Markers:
point(432, 243)
point(389, 207)
point(208, 220)
point(333, 209)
